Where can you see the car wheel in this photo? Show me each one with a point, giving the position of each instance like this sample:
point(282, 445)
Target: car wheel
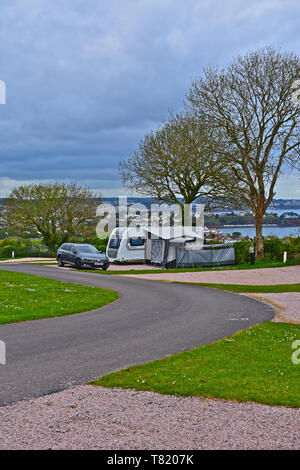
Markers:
point(105, 267)
point(78, 263)
point(60, 263)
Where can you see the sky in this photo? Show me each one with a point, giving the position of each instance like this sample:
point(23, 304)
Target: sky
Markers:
point(85, 80)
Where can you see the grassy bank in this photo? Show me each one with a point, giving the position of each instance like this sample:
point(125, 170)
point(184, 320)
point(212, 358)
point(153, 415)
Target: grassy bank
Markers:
point(252, 365)
point(27, 297)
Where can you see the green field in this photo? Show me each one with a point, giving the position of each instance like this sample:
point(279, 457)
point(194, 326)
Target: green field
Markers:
point(28, 297)
point(252, 365)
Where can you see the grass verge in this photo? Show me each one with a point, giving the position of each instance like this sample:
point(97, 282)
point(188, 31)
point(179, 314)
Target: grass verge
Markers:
point(274, 288)
point(28, 297)
point(252, 365)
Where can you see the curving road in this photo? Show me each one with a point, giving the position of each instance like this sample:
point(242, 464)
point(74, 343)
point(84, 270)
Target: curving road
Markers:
point(150, 320)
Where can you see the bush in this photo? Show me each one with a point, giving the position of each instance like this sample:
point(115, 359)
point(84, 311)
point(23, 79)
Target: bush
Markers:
point(30, 248)
point(10, 241)
point(296, 258)
point(292, 246)
point(101, 248)
point(35, 248)
point(274, 248)
point(242, 254)
point(99, 243)
point(6, 251)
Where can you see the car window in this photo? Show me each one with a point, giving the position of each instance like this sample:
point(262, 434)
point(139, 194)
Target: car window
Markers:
point(87, 249)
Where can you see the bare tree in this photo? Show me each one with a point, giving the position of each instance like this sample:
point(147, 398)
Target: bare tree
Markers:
point(176, 163)
point(251, 104)
point(53, 211)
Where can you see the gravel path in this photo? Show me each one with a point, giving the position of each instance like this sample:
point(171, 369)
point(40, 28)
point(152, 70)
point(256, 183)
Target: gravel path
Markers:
point(87, 417)
point(262, 276)
point(286, 304)
point(28, 260)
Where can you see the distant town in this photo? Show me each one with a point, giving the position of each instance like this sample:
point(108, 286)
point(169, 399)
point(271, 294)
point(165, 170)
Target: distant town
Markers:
point(281, 213)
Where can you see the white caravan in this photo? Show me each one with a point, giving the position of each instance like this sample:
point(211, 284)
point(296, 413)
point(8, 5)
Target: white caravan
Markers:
point(168, 247)
point(125, 246)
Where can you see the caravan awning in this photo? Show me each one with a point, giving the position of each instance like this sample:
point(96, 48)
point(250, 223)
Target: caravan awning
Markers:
point(176, 232)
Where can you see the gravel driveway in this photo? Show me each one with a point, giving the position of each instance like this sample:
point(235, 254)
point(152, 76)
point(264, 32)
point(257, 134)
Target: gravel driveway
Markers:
point(87, 417)
point(262, 276)
point(286, 304)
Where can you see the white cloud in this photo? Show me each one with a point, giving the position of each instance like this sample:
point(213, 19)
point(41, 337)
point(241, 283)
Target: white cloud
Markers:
point(288, 186)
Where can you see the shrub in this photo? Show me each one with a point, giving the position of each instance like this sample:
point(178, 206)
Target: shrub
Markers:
point(102, 248)
point(242, 254)
point(28, 248)
point(274, 248)
point(292, 246)
point(6, 251)
point(99, 243)
point(10, 241)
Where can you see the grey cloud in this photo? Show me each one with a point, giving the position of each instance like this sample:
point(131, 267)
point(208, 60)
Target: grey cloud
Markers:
point(86, 80)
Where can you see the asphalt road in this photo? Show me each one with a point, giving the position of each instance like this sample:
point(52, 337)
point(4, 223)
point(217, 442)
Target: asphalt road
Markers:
point(150, 320)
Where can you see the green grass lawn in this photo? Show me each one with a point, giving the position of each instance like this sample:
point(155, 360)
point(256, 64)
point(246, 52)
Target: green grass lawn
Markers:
point(252, 365)
point(247, 288)
point(257, 265)
point(28, 297)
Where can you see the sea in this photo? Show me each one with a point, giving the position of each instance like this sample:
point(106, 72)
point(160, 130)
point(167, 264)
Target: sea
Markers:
point(279, 232)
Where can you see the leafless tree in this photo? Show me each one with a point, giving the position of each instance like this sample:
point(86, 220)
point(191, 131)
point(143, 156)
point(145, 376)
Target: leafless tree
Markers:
point(175, 164)
point(250, 103)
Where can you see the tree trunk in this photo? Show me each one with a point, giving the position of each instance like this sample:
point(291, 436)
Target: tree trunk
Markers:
point(259, 245)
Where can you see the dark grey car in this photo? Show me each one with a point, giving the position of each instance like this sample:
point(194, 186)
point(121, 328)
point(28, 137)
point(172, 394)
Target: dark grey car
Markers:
point(81, 255)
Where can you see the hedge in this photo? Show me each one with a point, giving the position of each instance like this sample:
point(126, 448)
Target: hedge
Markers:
point(273, 248)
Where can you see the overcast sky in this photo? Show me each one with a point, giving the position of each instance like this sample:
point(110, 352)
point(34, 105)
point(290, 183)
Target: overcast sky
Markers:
point(87, 78)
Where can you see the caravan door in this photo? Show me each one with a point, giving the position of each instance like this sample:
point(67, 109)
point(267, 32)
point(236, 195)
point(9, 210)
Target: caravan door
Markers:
point(124, 246)
point(113, 245)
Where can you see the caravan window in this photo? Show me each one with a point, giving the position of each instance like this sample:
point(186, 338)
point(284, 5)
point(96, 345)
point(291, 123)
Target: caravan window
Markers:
point(136, 241)
point(114, 243)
